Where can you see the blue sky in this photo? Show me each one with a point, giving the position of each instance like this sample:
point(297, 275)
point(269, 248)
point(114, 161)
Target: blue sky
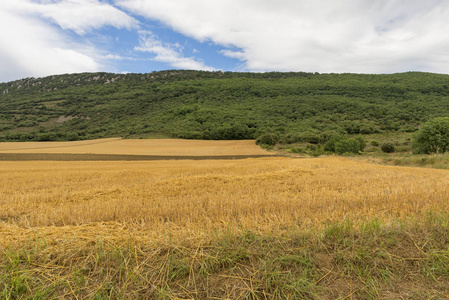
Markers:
point(133, 55)
point(45, 37)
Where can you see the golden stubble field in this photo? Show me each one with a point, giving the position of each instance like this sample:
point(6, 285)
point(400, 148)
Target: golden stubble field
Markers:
point(252, 228)
point(186, 199)
point(159, 147)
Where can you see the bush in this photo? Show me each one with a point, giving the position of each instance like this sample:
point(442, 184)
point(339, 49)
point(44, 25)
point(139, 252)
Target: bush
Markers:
point(362, 143)
point(374, 143)
point(302, 137)
point(269, 139)
point(73, 136)
point(347, 146)
point(402, 149)
point(330, 144)
point(297, 150)
point(433, 137)
point(311, 147)
point(309, 137)
point(366, 129)
point(45, 137)
point(351, 127)
point(326, 135)
point(291, 138)
point(387, 147)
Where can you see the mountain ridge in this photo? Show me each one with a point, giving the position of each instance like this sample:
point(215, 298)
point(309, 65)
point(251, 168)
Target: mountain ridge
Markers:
point(217, 105)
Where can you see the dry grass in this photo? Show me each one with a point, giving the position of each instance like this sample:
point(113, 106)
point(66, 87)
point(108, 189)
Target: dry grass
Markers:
point(199, 197)
point(268, 228)
point(166, 147)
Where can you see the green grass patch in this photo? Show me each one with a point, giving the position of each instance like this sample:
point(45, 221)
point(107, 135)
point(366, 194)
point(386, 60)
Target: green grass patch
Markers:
point(370, 261)
point(437, 161)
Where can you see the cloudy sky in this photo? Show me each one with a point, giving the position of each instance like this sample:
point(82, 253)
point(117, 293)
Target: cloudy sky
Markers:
point(45, 37)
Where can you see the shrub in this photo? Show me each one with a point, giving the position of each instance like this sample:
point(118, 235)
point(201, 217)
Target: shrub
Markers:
point(311, 147)
point(387, 147)
point(409, 128)
point(347, 146)
point(366, 129)
point(433, 137)
point(297, 150)
point(330, 144)
point(303, 137)
point(351, 127)
point(73, 136)
point(45, 137)
point(362, 143)
point(269, 139)
point(402, 149)
point(374, 143)
point(326, 135)
point(292, 138)
point(309, 137)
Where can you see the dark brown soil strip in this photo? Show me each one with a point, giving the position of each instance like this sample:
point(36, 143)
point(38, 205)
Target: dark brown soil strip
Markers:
point(112, 157)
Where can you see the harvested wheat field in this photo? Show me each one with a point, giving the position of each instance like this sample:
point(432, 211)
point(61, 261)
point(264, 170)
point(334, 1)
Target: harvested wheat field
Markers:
point(257, 194)
point(158, 147)
point(266, 228)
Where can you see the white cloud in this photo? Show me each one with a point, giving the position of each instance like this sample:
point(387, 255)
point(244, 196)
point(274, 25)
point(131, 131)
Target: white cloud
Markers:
point(77, 15)
point(84, 15)
point(31, 48)
point(168, 53)
point(43, 37)
point(113, 57)
point(233, 54)
point(30, 45)
point(379, 36)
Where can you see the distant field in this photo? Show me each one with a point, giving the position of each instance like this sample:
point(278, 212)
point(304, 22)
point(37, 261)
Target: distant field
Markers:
point(158, 147)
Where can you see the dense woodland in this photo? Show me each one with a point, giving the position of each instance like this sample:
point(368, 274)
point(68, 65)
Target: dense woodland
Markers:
point(294, 107)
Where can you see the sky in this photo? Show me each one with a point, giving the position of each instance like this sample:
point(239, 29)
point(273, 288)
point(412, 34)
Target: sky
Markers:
point(46, 37)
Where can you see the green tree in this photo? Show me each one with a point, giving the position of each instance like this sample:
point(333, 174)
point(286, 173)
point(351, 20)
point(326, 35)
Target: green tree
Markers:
point(432, 137)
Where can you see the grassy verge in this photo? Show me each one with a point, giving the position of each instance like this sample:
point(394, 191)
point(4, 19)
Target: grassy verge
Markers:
point(373, 261)
point(437, 161)
point(401, 140)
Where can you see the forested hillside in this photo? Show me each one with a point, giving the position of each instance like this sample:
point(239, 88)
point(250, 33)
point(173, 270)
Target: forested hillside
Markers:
point(218, 105)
